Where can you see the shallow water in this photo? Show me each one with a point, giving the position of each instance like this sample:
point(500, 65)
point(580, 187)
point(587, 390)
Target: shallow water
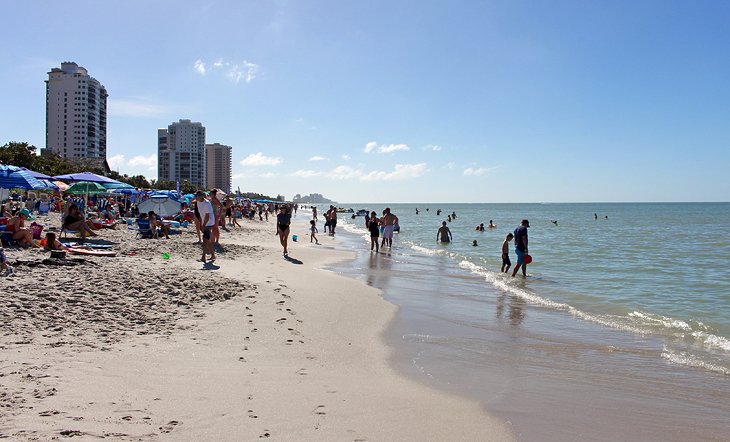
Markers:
point(620, 330)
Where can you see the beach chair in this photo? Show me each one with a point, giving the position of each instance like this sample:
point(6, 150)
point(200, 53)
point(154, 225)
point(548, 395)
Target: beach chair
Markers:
point(144, 229)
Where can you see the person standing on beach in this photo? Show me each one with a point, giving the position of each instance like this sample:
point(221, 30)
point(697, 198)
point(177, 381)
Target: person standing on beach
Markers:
point(506, 263)
point(283, 220)
point(207, 221)
point(314, 214)
point(313, 231)
point(521, 247)
point(444, 233)
point(372, 224)
point(333, 220)
point(217, 212)
point(388, 221)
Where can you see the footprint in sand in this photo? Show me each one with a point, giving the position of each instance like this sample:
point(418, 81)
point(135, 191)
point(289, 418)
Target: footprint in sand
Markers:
point(319, 410)
point(242, 359)
point(280, 302)
point(167, 428)
point(48, 413)
point(266, 434)
point(252, 415)
point(302, 372)
point(280, 320)
point(289, 342)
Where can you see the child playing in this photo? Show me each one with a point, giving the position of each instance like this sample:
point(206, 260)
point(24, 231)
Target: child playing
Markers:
point(506, 263)
point(52, 243)
point(4, 263)
point(313, 229)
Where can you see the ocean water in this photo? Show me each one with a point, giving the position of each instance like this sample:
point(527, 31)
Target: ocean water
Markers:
point(621, 329)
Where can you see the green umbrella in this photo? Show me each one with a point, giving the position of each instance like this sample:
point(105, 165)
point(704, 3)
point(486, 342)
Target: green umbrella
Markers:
point(85, 187)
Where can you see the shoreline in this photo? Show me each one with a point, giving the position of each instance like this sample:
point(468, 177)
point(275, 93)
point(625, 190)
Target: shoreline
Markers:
point(532, 365)
point(292, 353)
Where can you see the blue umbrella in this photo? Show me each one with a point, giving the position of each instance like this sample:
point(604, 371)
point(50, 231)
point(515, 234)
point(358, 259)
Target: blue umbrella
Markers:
point(13, 177)
point(125, 191)
point(40, 176)
point(86, 176)
point(117, 186)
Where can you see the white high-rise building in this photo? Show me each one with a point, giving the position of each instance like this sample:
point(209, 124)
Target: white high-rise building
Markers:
point(181, 153)
point(75, 113)
point(219, 166)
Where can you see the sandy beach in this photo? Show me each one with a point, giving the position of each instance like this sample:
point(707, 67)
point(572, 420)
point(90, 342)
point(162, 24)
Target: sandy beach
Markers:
point(253, 346)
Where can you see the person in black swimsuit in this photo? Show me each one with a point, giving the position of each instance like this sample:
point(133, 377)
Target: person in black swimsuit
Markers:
point(283, 220)
point(374, 228)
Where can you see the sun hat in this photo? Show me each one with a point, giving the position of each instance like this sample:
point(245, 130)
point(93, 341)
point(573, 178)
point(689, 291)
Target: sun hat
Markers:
point(26, 212)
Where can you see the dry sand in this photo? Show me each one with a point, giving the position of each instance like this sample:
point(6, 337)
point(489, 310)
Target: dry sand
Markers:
point(254, 346)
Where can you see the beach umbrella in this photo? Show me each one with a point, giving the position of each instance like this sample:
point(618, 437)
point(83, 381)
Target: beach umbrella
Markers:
point(13, 177)
point(61, 185)
point(124, 191)
point(85, 187)
point(117, 185)
point(40, 176)
point(161, 204)
point(85, 176)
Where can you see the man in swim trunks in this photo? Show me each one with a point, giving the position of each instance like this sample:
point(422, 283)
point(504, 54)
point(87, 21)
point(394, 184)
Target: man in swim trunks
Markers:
point(444, 233)
point(207, 221)
point(333, 220)
point(521, 247)
point(388, 222)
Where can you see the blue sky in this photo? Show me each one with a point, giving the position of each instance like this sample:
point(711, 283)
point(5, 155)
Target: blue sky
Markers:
point(399, 101)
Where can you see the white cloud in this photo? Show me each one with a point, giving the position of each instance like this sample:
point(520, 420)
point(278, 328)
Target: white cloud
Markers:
point(302, 173)
point(473, 171)
point(383, 148)
point(267, 175)
point(400, 172)
point(245, 70)
point(344, 173)
point(199, 67)
point(149, 162)
point(115, 161)
point(432, 147)
point(392, 148)
point(345, 157)
point(370, 146)
point(238, 176)
point(259, 159)
point(317, 158)
point(450, 165)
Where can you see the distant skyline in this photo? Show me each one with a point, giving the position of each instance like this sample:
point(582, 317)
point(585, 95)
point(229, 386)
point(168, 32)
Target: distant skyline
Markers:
point(401, 101)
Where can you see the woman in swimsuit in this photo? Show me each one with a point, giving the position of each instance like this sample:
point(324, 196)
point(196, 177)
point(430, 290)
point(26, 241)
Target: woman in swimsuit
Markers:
point(283, 220)
point(74, 220)
point(194, 203)
point(372, 225)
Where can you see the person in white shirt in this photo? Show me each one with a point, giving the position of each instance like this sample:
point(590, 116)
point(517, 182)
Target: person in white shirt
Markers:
point(207, 221)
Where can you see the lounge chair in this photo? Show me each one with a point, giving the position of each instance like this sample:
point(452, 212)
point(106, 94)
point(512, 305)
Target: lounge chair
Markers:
point(144, 230)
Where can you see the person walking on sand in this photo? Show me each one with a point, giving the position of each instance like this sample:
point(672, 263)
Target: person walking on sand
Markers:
point(217, 211)
point(506, 263)
point(283, 220)
point(207, 221)
point(313, 229)
point(388, 221)
point(372, 224)
point(444, 233)
point(314, 213)
point(521, 247)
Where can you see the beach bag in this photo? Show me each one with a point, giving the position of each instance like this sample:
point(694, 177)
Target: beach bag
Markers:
point(37, 230)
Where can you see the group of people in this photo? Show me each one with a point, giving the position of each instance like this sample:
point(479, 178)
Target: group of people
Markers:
point(385, 226)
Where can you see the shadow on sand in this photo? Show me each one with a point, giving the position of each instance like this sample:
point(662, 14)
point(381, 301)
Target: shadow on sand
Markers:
point(293, 260)
point(210, 266)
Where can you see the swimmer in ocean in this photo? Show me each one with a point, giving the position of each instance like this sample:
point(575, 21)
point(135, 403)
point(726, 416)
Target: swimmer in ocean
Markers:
point(444, 233)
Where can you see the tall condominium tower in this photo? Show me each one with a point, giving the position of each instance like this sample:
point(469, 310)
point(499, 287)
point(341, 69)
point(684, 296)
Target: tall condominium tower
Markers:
point(181, 153)
point(75, 113)
point(219, 166)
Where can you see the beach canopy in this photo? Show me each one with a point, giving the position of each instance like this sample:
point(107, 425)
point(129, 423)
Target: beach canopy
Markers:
point(161, 204)
point(13, 177)
point(85, 188)
point(86, 176)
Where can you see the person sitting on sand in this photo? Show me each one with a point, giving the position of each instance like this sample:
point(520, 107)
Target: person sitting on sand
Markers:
point(16, 225)
point(51, 243)
point(156, 222)
point(74, 220)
